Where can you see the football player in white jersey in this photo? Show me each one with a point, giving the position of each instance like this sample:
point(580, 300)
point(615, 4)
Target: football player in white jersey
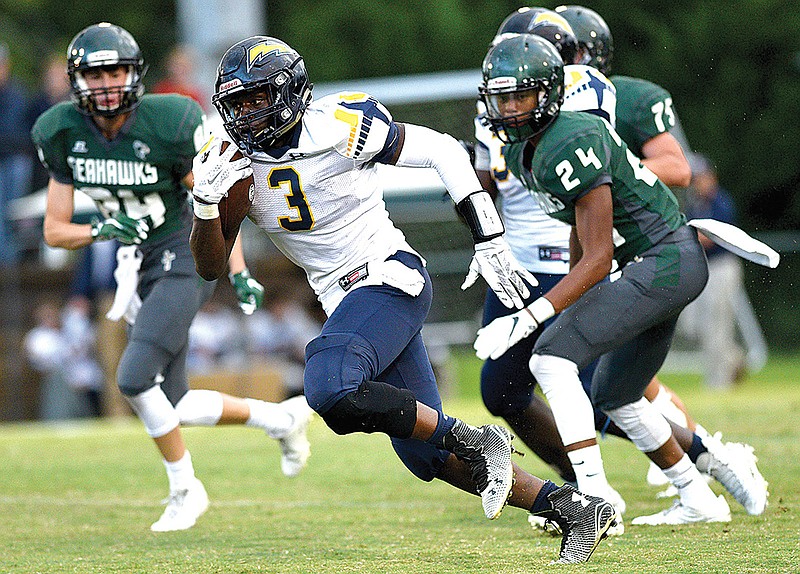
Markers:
point(541, 244)
point(318, 197)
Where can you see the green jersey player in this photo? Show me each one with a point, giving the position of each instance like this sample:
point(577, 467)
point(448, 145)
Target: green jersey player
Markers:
point(132, 154)
point(648, 124)
point(582, 173)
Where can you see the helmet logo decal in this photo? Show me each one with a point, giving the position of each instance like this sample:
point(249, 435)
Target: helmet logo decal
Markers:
point(503, 82)
point(102, 56)
point(552, 18)
point(260, 51)
point(228, 85)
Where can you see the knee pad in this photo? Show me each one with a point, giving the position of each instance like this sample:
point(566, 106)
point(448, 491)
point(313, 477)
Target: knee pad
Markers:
point(572, 409)
point(374, 407)
point(643, 424)
point(200, 408)
point(155, 411)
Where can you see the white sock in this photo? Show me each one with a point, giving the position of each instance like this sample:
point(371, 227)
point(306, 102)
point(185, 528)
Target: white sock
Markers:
point(693, 490)
point(273, 418)
point(180, 473)
point(588, 466)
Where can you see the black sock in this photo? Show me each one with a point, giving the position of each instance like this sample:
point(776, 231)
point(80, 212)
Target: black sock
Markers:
point(696, 449)
point(542, 503)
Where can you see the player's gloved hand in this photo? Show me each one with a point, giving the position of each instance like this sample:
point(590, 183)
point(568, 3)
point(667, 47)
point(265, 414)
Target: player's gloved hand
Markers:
point(501, 270)
point(249, 292)
point(121, 227)
point(504, 332)
point(215, 173)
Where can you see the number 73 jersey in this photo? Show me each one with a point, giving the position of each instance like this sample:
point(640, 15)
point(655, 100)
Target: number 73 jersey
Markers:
point(320, 199)
point(579, 152)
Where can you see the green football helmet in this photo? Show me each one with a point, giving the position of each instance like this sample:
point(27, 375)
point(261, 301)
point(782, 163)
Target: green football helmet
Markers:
point(594, 36)
point(523, 86)
point(104, 45)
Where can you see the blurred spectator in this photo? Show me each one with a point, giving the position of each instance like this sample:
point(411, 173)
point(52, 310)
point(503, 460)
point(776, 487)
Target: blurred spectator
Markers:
point(712, 318)
point(63, 348)
point(16, 152)
point(179, 78)
point(54, 88)
point(279, 333)
point(215, 339)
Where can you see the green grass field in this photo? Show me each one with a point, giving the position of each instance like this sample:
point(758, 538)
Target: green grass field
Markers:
point(80, 498)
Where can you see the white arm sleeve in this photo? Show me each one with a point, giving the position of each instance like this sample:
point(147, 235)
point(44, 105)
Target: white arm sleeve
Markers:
point(424, 147)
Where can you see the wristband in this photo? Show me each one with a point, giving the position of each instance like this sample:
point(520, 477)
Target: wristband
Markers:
point(541, 310)
point(206, 210)
point(481, 216)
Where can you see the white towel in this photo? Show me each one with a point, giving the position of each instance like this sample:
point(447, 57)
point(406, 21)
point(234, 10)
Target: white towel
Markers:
point(737, 241)
point(126, 299)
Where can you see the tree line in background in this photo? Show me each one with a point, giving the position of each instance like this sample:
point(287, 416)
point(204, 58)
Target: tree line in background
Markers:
point(732, 66)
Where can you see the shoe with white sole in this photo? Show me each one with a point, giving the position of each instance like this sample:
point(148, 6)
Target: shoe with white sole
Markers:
point(733, 465)
point(583, 520)
point(184, 507)
point(295, 448)
point(680, 514)
point(487, 450)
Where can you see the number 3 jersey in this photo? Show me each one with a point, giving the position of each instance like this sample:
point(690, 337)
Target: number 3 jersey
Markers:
point(579, 152)
point(320, 199)
point(140, 171)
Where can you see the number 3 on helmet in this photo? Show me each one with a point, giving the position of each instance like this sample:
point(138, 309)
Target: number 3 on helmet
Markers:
point(261, 92)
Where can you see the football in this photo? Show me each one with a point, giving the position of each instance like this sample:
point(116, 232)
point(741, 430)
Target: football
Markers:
point(234, 207)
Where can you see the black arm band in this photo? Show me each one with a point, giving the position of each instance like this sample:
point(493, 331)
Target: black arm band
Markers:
point(480, 213)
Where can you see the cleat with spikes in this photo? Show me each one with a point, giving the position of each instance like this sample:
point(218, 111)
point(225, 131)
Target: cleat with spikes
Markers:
point(184, 507)
point(733, 465)
point(680, 514)
point(584, 521)
point(487, 450)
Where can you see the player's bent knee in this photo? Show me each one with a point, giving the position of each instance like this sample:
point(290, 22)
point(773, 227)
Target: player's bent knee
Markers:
point(336, 364)
point(374, 407)
point(424, 460)
point(139, 367)
point(155, 411)
point(644, 425)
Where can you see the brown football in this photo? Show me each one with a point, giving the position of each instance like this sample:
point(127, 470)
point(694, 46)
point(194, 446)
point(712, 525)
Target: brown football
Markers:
point(235, 206)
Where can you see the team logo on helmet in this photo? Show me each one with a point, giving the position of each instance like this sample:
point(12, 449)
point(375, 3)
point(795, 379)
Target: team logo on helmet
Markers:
point(552, 18)
point(260, 51)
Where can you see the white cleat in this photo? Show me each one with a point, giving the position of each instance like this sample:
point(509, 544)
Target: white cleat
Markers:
point(733, 465)
point(544, 525)
point(680, 514)
point(295, 448)
point(184, 507)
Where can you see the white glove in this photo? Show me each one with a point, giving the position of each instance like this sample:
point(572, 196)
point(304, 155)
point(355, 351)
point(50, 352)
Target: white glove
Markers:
point(504, 332)
point(215, 173)
point(503, 273)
